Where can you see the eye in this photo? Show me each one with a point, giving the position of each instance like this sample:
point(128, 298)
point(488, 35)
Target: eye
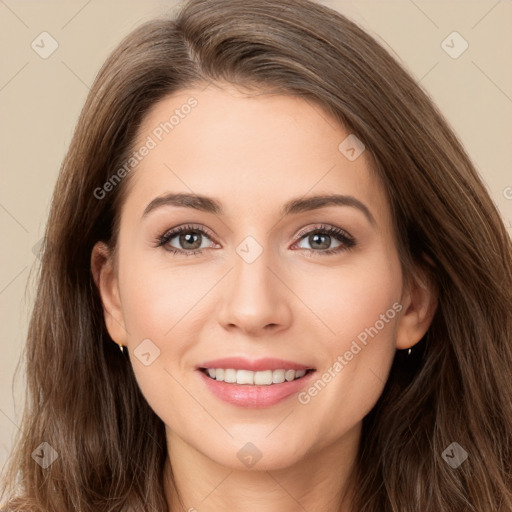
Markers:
point(189, 237)
point(321, 238)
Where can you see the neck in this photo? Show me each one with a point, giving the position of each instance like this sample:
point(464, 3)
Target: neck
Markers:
point(321, 481)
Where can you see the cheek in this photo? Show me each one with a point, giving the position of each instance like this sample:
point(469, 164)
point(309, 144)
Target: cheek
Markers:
point(156, 298)
point(360, 307)
point(158, 305)
point(351, 299)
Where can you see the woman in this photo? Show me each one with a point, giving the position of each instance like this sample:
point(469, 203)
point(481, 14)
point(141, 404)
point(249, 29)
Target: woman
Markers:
point(259, 370)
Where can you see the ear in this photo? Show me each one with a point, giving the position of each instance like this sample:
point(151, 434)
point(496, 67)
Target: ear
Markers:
point(419, 301)
point(102, 268)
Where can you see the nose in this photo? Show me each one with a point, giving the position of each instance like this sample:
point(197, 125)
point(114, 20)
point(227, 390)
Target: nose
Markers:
point(255, 301)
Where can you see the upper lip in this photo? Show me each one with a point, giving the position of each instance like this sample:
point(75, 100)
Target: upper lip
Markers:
point(241, 363)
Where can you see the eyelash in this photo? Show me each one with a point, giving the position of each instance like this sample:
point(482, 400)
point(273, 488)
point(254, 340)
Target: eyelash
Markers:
point(342, 236)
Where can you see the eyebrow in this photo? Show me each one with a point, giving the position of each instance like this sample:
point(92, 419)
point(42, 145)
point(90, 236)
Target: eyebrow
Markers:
point(294, 206)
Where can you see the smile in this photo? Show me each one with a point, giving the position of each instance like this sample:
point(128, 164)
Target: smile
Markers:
point(254, 389)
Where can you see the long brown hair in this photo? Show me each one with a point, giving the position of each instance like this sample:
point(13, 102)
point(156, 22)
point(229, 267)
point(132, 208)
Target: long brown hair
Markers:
point(82, 397)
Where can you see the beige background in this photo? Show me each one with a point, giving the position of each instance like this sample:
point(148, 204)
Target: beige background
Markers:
point(40, 100)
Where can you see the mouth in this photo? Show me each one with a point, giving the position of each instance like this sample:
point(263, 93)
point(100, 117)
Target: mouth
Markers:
point(255, 378)
point(254, 383)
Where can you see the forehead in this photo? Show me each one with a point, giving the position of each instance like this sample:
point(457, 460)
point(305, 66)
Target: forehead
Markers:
point(251, 151)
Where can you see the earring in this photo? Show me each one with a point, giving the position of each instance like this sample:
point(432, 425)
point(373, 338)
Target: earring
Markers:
point(121, 348)
point(409, 352)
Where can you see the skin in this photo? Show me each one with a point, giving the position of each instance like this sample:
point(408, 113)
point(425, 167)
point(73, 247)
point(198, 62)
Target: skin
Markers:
point(253, 153)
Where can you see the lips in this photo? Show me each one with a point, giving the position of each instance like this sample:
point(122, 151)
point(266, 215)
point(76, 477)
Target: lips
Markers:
point(255, 396)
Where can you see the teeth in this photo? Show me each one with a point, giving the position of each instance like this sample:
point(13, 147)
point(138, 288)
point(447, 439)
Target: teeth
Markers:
point(289, 375)
point(278, 376)
point(261, 378)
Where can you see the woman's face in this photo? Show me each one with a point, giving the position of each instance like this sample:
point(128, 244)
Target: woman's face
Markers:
point(261, 272)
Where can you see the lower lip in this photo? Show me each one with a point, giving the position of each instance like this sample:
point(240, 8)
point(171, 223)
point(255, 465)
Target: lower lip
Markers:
point(245, 395)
